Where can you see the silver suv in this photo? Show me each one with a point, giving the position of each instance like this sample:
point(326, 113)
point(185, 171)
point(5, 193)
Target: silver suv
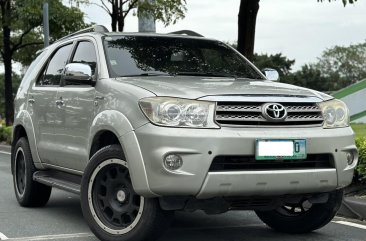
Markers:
point(142, 125)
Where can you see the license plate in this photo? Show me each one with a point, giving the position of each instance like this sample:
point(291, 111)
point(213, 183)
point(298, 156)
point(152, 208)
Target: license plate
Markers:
point(280, 149)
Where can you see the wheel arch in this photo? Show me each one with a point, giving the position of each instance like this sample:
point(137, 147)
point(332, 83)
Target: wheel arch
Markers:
point(113, 124)
point(106, 128)
point(18, 132)
point(101, 139)
point(23, 127)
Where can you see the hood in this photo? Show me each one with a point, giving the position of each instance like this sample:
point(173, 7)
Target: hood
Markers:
point(192, 87)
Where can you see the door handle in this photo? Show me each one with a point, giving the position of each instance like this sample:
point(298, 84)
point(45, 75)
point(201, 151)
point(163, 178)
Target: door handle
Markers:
point(60, 103)
point(31, 101)
point(98, 97)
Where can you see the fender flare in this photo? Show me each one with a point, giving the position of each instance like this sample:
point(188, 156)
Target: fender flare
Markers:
point(24, 119)
point(118, 123)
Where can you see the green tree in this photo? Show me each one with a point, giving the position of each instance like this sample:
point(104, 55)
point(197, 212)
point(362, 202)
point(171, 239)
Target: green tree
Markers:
point(345, 64)
point(309, 77)
point(16, 81)
point(21, 34)
point(247, 18)
point(276, 61)
point(166, 11)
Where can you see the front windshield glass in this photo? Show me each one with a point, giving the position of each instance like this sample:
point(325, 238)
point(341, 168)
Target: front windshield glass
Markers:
point(160, 55)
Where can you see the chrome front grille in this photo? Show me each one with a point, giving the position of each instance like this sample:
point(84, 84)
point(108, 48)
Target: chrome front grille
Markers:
point(250, 114)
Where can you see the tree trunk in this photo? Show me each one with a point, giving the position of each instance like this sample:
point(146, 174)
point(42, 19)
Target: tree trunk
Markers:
point(246, 27)
point(7, 56)
point(121, 19)
point(114, 15)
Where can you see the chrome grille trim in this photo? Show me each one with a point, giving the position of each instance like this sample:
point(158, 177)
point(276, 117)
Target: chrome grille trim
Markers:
point(250, 114)
point(238, 108)
point(263, 98)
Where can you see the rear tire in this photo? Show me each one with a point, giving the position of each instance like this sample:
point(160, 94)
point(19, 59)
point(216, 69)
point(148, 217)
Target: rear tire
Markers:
point(111, 208)
point(303, 217)
point(28, 192)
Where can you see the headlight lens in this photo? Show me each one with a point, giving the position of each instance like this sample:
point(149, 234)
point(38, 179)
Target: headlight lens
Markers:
point(175, 112)
point(335, 114)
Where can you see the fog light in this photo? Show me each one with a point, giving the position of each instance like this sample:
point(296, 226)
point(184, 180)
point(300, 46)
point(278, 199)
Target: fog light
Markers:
point(350, 158)
point(173, 161)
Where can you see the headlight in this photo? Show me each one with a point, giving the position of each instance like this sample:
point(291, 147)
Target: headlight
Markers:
point(175, 112)
point(335, 114)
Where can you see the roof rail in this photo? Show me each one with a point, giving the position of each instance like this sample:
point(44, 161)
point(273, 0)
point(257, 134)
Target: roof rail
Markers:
point(95, 28)
point(187, 32)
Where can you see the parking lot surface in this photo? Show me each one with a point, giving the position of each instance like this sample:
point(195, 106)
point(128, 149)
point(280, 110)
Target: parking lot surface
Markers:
point(61, 219)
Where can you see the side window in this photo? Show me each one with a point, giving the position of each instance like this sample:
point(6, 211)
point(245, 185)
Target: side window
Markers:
point(85, 54)
point(52, 74)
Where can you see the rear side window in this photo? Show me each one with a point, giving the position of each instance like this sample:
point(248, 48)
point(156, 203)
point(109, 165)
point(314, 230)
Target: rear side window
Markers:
point(52, 74)
point(85, 54)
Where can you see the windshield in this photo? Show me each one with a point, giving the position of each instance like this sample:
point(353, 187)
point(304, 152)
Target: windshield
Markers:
point(160, 55)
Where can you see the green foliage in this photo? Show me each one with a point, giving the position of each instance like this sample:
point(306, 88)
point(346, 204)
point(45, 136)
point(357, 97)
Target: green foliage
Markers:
point(344, 64)
point(27, 21)
point(5, 133)
point(359, 129)
point(343, 1)
point(16, 82)
point(276, 61)
point(310, 77)
point(361, 167)
point(166, 11)
point(338, 67)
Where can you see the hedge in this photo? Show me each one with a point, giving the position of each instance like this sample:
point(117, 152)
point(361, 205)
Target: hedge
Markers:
point(5, 133)
point(361, 167)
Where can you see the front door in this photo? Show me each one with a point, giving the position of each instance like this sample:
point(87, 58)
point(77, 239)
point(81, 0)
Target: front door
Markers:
point(42, 103)
point(75, 113)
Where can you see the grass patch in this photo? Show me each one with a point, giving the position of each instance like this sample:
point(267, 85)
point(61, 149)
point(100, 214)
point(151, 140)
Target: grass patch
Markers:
point(359, 129)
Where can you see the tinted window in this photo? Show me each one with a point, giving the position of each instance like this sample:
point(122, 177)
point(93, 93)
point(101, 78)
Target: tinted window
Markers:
point(53, 72)
point(141, 55)
point(85, 53)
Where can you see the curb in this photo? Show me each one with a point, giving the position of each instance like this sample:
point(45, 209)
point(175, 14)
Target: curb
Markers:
point(353, 208)
point(5, 148)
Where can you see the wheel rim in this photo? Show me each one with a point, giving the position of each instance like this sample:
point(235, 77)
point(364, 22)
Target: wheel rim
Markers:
point(297, 209)
point(112, 201)
point(20, 172)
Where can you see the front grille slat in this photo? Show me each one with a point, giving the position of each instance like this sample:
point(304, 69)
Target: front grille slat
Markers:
point(239, 108)
point(237, 117)
point(250, 114)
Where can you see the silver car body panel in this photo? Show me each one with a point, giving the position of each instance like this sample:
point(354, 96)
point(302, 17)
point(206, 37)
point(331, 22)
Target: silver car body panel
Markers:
point(193, 87)
point(112, 105)
point(195, 147)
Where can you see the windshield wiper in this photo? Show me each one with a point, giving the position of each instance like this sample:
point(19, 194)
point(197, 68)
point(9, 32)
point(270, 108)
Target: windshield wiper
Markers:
point(146, 74)
point(210, 74)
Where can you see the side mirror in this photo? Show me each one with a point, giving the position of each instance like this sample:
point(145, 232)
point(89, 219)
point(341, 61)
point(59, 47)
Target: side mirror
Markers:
point(271, 74)
point(78, 74)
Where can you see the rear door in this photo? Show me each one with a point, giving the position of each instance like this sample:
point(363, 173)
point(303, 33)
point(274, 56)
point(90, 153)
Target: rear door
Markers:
point(74, 116)
point(42, 103)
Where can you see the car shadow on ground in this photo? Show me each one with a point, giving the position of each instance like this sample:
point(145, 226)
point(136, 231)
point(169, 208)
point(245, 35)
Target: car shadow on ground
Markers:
point(196, 226)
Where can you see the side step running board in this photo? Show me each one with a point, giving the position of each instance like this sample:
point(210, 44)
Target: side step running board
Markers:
point(64, 181)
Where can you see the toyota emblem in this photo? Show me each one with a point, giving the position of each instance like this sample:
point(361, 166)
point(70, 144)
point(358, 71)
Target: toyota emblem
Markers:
point(274, 112)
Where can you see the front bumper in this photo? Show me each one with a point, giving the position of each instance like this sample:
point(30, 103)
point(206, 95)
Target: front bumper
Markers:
point(146, 147)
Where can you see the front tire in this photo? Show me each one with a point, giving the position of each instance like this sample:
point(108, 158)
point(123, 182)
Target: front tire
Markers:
point(28, 192)
point(111, 207)
point(303, 217)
